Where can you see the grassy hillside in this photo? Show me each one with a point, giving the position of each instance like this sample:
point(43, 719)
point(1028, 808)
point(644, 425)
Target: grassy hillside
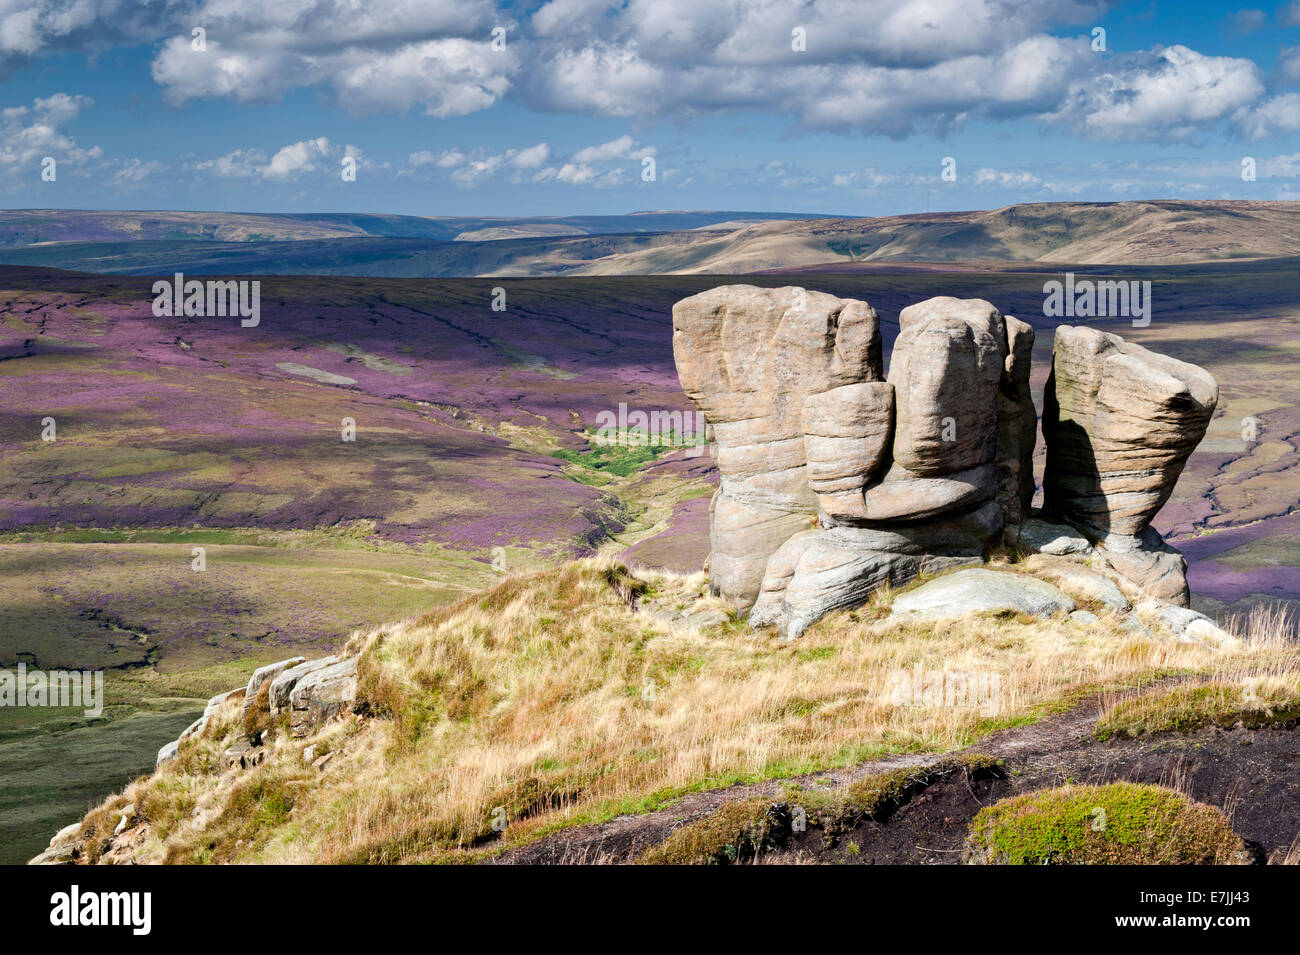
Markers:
point(473, 433)
point(568, 698)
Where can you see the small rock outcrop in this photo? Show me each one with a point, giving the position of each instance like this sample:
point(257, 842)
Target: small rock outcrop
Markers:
point(306, 693)
point(837, 479)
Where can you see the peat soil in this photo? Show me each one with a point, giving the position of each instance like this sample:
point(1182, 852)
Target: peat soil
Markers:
point(1252, 775)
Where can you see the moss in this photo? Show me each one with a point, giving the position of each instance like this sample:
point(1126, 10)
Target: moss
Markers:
point(1116, 824)
point(623, 457)
point(1186, 709)
point(741, 830)
point(736, 831)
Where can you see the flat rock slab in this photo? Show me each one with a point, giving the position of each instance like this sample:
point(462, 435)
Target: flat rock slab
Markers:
point(1045, 537)
point(978, 590)
point(1081, 581)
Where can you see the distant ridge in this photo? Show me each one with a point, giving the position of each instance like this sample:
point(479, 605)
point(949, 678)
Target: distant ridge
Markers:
point(1146, 232)
point(22, 227)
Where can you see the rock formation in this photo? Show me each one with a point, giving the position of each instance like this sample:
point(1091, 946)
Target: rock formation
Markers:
point(1119, 423)
point(836, 479)
point(748, 357)
point(306, 694)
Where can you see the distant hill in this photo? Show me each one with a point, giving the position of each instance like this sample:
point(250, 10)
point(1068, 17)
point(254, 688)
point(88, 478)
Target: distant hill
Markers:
point(1164, 232)
point(24, 227)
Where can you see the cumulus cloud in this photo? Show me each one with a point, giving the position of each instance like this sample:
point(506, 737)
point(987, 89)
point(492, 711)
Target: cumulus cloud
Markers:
point(601, 166)
point(444, 160)
point(884, 67)
point(473, 167)
point(889, 67)
point(873, 65)
point(390, 56)
point(32, 27)
point(582, 174)
point(622, 148)
point(297, 158)
point(30, 133)
point(287, 163)
point(1171, 93)
point(132, 172)
point(1006, 179)
point(1278, 114)
point(437, 56)
point(532, 157)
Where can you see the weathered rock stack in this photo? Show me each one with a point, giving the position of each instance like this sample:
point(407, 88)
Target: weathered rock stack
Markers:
point(1119, 422)
point(835, 479)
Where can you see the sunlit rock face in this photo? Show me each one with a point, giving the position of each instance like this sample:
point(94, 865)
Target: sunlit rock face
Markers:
point(836, 479)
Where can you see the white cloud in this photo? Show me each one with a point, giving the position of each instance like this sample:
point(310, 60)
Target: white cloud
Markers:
point(30, 133)
point(289, 162)
point(890, 67)
point(297, 158)
point(443, 160)
point(1278, 114)
point(1006, 179)
point(1174, 93)
point(532, 157)
point(887, 67)
point(622, 148)
point(876, 65)
point(130, 172)
point(1286, 70)
point(474, 171)
point(31, 27)
point(378, 57)
point(237, 164)
point(572, 174)
point(600, 166)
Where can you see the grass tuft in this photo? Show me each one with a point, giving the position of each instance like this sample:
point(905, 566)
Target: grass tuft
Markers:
point(1253, 703)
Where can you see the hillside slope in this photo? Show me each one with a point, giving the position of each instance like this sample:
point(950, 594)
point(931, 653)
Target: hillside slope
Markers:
point(1129, 233)
point(585, 694)
point(23, 227)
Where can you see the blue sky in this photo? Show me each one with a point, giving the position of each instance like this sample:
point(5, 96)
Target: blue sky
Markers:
point(561, 118)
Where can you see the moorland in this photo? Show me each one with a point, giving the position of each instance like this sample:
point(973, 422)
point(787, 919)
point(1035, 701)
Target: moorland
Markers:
point(474, 456)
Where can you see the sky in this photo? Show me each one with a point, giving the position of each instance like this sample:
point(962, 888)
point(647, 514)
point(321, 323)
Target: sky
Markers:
point(567, 107)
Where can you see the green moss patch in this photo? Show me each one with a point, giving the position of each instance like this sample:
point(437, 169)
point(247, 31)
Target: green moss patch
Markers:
point(741, 830)
point(625, 454)
point(1117, 824)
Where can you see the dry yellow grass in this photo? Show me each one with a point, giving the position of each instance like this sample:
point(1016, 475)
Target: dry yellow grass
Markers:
point(549, 701)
